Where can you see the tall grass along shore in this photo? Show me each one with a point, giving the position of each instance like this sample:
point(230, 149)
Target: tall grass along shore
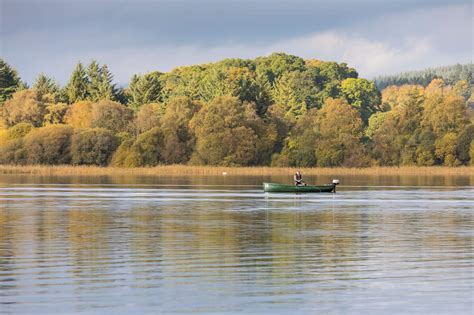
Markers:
point(184, 170)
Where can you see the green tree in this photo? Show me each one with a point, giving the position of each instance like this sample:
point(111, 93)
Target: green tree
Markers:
point(78, 86)
point(107, 89)
point(9, 81)
point(277, 64)
point(46, 86)
point(183, 81)
point(100, 83)
point(94, 80)
point(285, 96)
point(144, 89)
point(363, 95)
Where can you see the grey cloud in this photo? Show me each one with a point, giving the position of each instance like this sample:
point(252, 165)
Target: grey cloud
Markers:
point(135, 36)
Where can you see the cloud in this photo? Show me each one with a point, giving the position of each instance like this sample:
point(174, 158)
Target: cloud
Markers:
point(378, 43)
point(369, 57)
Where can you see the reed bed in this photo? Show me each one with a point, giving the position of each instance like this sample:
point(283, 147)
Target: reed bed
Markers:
point(185, 170)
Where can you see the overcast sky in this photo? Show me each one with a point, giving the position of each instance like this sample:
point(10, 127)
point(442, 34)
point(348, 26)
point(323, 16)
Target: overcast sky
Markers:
point(374, 36)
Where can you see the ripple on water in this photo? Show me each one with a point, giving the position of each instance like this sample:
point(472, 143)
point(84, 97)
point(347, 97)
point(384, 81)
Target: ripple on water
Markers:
point(184, 248)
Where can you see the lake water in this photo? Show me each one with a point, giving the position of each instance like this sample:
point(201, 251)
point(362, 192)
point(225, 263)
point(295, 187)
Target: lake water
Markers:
point(219, 245)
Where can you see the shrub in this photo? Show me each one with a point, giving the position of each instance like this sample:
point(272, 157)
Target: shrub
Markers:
point(49, 145)
point(20, 130)
point(92, 146)
point(111, 116)
point(13, 152)
point(119, 158)
point(146, 150)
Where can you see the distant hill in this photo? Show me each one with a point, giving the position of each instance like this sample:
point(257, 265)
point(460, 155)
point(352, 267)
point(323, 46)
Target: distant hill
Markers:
point(450, 74)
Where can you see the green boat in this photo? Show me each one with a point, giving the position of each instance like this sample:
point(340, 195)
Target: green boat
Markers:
point(273, 187)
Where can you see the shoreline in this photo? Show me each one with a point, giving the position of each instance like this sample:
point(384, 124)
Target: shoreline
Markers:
point(185, 170)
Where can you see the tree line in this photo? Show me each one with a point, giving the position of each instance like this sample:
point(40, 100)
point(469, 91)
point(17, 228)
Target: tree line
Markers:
point(278, 110)
point(450, 75)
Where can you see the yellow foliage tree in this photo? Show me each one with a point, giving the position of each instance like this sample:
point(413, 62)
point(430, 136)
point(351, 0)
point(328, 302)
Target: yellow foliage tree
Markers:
point(79, 115)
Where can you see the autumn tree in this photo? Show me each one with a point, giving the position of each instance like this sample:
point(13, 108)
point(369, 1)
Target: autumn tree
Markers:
point(399, 126)
point(222, 136)
point(340, 131)
point(148, 117)
point(111, 115)
point(25, 106)
point(178, 137)
point(55, 113)
point(445, 149)
point(79, 115)
point(444, 112)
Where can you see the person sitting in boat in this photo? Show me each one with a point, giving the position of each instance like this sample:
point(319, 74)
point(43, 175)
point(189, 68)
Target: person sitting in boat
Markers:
point(299, 179)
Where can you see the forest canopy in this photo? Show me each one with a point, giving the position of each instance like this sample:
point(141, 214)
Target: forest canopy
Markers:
point(277, 110)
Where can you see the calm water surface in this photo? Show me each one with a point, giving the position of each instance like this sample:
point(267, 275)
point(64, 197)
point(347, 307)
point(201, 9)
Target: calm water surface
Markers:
point(132, 245)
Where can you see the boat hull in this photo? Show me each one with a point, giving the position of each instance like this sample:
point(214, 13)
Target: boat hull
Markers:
point(272, 187)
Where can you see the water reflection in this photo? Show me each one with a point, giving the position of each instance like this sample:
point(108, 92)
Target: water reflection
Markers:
point(133, 248)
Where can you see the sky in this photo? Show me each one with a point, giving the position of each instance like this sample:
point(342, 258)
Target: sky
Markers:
point(377, 37)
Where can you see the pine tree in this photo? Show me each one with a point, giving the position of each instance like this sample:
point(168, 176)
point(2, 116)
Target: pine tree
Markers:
point(107, 89)
point(9, 81)
point(77, 88)
point(45, 85)
point(94, 76)
point(144, 89)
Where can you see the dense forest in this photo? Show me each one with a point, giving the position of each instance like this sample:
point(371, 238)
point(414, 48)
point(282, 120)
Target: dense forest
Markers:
point(278, 110)
point(449, 74)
